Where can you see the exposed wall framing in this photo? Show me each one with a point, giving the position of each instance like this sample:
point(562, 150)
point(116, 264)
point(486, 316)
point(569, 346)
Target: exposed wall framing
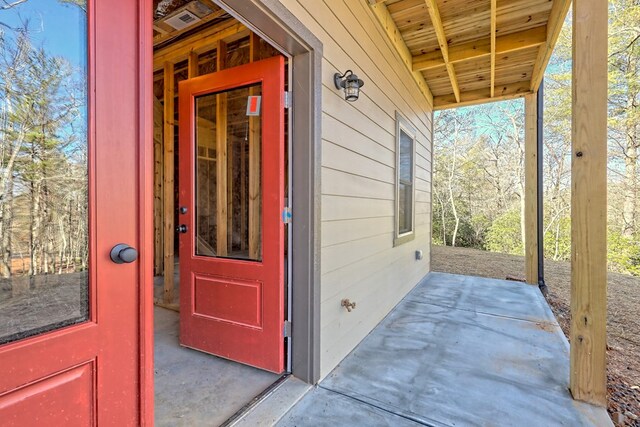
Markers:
point(222, 44)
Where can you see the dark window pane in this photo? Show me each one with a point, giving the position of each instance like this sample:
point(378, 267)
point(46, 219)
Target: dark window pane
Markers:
point(405, 195)
point(406, 156)
point(43, 167)
point(405, 183)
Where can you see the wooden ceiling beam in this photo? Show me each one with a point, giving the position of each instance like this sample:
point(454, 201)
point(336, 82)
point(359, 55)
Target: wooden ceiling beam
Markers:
point(199, 42)
point(436, 21)
point(386, 21)
point(558, 12)
point(166, 36)
point(493, 46)
point(482, 48)
point(481, 96)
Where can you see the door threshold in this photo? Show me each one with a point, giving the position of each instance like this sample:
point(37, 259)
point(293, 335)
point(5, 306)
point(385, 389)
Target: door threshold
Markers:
point(272, 404)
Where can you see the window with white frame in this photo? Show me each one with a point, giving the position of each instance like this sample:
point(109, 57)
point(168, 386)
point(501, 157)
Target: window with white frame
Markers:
point(405, 181)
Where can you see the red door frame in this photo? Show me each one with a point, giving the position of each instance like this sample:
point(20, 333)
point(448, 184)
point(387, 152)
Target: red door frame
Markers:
point(146, 214)
point(115, 346)
point(260, 341)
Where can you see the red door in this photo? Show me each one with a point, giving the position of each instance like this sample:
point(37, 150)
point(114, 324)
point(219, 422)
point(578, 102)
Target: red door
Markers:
point(70, 329)
point(231, 202)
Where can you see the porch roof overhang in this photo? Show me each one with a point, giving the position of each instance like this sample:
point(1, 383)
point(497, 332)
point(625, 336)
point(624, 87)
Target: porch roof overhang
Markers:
point(466, 52)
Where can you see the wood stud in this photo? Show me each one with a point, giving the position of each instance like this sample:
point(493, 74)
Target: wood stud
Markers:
point(158, 196)
point(168, 181)
point(255, 172)
point(221, 158)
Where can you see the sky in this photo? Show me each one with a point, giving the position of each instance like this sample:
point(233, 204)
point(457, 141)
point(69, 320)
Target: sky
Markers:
point(61, 30)
point(58, 27)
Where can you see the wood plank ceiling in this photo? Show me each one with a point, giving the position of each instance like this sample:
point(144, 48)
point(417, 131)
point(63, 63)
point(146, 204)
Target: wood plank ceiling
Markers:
point(474, 51)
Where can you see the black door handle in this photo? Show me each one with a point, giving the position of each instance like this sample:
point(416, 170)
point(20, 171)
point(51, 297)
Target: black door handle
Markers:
point(123, 253)
point(181, 228)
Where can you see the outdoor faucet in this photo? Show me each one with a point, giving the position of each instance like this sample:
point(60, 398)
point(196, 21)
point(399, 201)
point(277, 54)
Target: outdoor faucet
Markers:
point(348, 304)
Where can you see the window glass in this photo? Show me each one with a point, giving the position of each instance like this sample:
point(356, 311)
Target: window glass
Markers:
point(228, 179)
point(43, 166)
point(406, 156)
point(405, 181)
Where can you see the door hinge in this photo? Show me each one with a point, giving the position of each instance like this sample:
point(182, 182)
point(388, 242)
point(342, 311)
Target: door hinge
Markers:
point(286, 331)
point(286, 215)
point(288, 99)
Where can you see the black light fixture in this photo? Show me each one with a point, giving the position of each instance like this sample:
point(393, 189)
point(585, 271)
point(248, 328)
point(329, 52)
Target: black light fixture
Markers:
point(350, 83)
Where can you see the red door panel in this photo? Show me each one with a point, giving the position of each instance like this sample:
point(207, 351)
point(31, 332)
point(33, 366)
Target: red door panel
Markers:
point(89, 373)
point(232, 250)
point(64, 399)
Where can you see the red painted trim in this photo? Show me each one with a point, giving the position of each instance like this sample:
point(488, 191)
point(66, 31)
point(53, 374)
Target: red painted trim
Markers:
point(91, 156)
point(146, 214)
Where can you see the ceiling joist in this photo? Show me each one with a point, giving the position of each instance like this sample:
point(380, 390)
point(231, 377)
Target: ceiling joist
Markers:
point(386, 21)
point(493, 46)
point(475, 51)
point(479, 49)
point(481, 96)
point(434, 14)
point(556, 19)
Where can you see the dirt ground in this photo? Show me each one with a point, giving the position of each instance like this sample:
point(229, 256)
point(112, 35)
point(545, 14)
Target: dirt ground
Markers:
point(31, 305)
point(623, 323)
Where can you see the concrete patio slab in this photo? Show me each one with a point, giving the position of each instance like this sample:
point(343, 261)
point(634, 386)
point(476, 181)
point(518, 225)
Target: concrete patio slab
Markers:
point(326, 408)
point(457, 351)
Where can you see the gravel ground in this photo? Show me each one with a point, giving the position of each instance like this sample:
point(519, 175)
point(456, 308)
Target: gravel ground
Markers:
point(623, 324)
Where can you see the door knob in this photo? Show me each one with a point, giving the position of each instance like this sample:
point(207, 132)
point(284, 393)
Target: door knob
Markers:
point(181, 228)
point(123, 253)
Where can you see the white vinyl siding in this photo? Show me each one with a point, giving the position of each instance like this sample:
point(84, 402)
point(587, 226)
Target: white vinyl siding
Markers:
point(358, 257)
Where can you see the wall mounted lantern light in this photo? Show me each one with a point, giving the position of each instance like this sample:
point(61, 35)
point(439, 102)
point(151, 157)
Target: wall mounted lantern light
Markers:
point(350, 83)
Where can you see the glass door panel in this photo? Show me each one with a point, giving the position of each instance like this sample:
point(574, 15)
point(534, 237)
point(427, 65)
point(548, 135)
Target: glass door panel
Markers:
point(43, 168)
point(228, 174)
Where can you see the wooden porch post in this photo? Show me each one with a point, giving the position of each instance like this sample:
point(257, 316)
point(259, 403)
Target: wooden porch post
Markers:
point(531, 188)
point(589, 203)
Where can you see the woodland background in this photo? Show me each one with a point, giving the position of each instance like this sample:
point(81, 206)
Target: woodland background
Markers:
point(43, 143)
point(478, 192)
